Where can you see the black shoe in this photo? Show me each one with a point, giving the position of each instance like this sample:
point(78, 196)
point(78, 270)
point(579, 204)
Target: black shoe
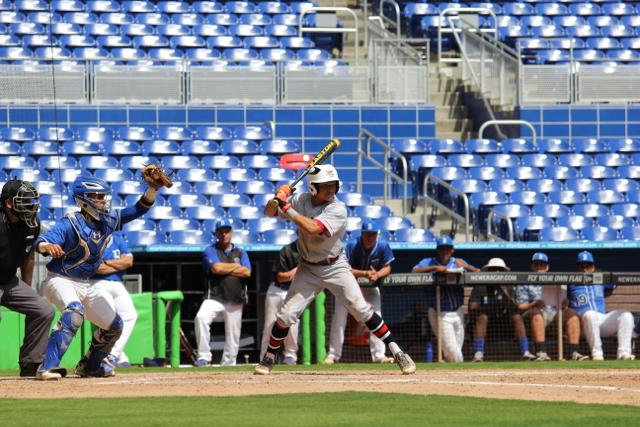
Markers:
point(28, 369)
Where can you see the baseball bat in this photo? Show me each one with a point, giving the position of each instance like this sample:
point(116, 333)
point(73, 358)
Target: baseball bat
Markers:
point(328, 150)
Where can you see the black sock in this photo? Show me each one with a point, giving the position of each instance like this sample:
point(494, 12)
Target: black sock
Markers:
point(379, 328)
point(278, 334)
point(540, 346)
point(571, 348)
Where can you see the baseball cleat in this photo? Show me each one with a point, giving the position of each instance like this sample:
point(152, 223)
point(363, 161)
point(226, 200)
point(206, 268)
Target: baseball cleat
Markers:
point(578, 357)
point(200, 363)
point(288, 361)
point(384, 360)
point(528, 356)
point(626, 356)
point(51, 374)
point(403, 360)
point(478, 357)
point(542, 356)
point(329, 360)
point(264, 367)
point(597, 358)
point(105, 369)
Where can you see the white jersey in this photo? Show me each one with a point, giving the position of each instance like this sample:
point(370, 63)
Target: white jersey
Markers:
point(334, 217)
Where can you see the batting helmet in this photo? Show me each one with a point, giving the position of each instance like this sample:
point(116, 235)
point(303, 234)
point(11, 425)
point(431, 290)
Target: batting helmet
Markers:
point(320, 174)
point(86, 191)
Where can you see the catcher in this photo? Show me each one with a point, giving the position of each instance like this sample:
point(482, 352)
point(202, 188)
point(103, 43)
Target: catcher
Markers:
point(76, 244)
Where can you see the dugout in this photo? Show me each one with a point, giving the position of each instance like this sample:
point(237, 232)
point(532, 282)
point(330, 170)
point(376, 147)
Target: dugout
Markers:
point(167, 267)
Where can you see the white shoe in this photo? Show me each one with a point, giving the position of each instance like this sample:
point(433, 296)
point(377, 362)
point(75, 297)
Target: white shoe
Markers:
point(626, 356)
point(542, 356)
point(478, 357)
point(405, 363)
point(47, 376)
point(578, 357)
point(528, 356)
point(384, 360)
point(597, 358)
point(329, 360)
point(264, 367)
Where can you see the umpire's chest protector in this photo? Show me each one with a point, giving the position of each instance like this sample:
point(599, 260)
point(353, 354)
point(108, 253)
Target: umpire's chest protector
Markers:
point(83, 260)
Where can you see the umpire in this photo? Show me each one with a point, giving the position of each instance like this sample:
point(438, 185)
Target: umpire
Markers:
point(19, 227)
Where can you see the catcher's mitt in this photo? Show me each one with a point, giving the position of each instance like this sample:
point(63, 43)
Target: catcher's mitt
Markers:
point(156, 177)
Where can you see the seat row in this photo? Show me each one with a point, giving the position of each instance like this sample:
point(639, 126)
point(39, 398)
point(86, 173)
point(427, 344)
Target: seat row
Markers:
point(524, 173)
point(536, 228)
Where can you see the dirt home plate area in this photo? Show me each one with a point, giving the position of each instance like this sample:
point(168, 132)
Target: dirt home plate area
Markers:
point(615, 386)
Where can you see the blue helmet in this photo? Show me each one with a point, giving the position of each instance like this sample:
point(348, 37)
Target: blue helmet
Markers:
point(86, 190)
point(585, 256)
point(540, 256)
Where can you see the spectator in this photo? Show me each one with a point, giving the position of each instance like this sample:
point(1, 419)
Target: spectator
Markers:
point(283, 272)
point(451, 298)
point(109, 278)
point(370, 258)
point(226, 266)
point(494, 302)
point(589, 302)
point(541, 303)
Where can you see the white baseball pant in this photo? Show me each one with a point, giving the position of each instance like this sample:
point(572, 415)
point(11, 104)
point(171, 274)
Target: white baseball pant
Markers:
point(339, 323)
point(452, 326)
point(596, 325)
point(273, 303)
point(98, 305)
point(211, 310)
point(126, 310)
point(311, 279)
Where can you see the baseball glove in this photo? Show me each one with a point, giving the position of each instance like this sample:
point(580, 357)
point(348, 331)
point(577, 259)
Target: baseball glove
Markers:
point(156, 177)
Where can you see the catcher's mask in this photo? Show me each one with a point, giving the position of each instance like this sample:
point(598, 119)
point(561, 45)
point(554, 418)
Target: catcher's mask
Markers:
point(24, 200)
point(93, 195)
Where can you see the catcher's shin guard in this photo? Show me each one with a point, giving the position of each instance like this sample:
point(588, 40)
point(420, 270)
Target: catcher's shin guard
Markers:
point(66, 328)
point(101, 345)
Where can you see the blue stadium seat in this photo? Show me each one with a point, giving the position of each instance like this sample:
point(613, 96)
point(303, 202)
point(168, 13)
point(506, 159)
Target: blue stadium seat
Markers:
point(603, 43)
point(35, 40)
point(157, 213)
point(114, 175)
point(618, 31)
point(590, 210)
point(538, 160)
point(446, 146)
point(62, 28)
point(152, 19)
point(410, 146)
point(632, 171)
point(393, 223)
point(43, 18)
point(186, 41)
point(11, 40)
point(51, 53)
point(203, 55)
point(90, 54)
point(98, 162)
point(590, 145)
point(119, 19)
point(615, 222)
point(598, 172)
point(519, 146)
point(14, 53)
point(161, 147)
point(469, 186)
point(279, 237)
point(482, 203)
point(103, 6)
point(576, 222)
point(518, 9)
point(544, 185)
point(150, 41)
point(255, 19)
point(66, 176)
point(529, 227)
point(449, 173)
point(630, 233)
point(82, 148)
point(482, 146)
point(414, 235)
point(502, 160)
point(190, 237)
point(24, 28)
point(261, 200)
point(260, 161)
point(278, 30)
point(180, 162)
point(551, 210)
point(485, 173)
point(506, 185)
point(137, 30)
point(276, 175)
point(599, 234)
point(277, 55)
point(17, 134)
point(547, 31)
point(312, 55)
point(10, 148)
point(245, 212)
point(278, 146)
point(628, 210)
point(207, 7)
point(524, 173)
point(178, 188)
point(296, 43)
point(623, 55)
point(239, 147)
point(144, 238)
point(288, 19)
point(622, 185)
point(582, 185)
point(551, 9)
point(31, 175)
point(220, 162)
point(353, 223)
point(575, 159)
point(355, 199)
point(165, 56)
point(173, 7)
point(255, 187)
point(52, 201)
point(532, 21)
point(192, 175)
point(552, 56)
point(114, 41)
point(264, 223)
point(557, 234)
point(560, 172)
point(48, 187)
point(527, 197)
point(605, 197)
point(135, 6)
point(372, 211)
point(244, 237)
point(16, 162)
point(611, 159)
point(128, 187)
point(229, 200)
point(211, 133)
point(554, 145)
point(566, 197)
point(240, 7)
point(81, 18)
point(466, 160)
point(95, 134)
point(202, 213)
point(177, 224)
point(123, 148)
point(273, 7)
point(237, 174)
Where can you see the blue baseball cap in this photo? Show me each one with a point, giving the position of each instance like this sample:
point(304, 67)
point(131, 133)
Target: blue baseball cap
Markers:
point(224, 222)
point(369, 226)
point(444, 241)
point(539, 256)
point(585, 256)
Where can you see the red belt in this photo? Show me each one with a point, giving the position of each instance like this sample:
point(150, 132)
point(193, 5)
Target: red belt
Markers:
point(327, 261)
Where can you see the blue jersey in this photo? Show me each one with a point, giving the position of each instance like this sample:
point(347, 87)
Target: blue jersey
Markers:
point(211, 257)
point(84, 242)
point(451, 297)
point(361, 259)
point(583, 298)
point(115, 249)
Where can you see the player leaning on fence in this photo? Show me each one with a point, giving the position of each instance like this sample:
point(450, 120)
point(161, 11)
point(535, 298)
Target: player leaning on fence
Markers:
point(321, 220)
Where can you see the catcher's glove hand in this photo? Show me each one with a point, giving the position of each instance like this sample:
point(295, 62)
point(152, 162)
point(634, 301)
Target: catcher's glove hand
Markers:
point(156, 177)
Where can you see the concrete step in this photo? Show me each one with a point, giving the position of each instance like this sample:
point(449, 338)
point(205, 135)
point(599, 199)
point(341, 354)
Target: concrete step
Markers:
point(453, 125)
point(444, 98)
point(452, 111)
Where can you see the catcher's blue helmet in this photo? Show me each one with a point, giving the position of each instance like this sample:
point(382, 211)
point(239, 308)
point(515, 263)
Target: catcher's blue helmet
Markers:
point(89, 192)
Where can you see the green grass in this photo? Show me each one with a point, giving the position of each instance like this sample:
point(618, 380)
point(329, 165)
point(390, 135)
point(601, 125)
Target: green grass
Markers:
point(607, 364)
point(316, 409)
